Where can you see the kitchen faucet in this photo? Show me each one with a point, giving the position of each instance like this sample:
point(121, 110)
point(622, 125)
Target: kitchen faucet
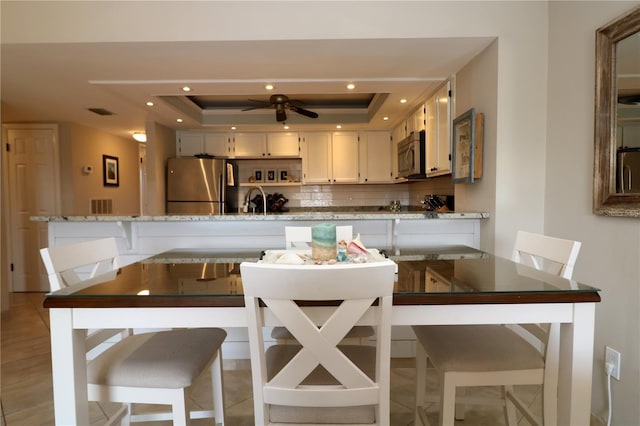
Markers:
point(247, 199)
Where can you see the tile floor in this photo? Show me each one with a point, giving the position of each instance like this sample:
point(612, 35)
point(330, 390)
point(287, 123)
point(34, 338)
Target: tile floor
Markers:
point(27, 396)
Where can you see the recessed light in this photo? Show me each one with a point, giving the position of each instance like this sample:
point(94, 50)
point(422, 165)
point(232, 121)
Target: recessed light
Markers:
point(403, 101)
point(286, 127)
point(149, 103)
point(269, 87)
point(385, 118)
point(339, 126)
point(351, 86)
point(186, 89)
point(179, 120)
point(233, 127)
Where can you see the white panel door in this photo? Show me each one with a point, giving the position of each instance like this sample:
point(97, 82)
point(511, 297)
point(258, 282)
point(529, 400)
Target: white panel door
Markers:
point(32, 190)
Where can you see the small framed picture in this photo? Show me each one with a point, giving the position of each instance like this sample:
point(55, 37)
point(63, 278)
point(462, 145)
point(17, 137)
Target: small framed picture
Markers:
point(271, 175)
point(110, 173)
point(283, 175)
point(258, 175)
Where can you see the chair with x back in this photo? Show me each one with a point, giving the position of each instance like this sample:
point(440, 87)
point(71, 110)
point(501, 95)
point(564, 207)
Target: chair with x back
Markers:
point(497, 355)
point(149, 368)
point(318, 381)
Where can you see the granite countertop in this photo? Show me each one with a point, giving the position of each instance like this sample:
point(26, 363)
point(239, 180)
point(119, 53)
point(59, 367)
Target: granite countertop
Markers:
point(289, 216)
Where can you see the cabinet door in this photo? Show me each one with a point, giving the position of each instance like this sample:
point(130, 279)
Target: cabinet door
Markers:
point(316, 157)
point(217, 144)
point(399, 132)
point(344, 146)
point(438, 133)
point(375, 157)
point(249, 145)
point(443, 104)
point(190, 144)
point(283, 144)
point(431, 134)
point(416, 122)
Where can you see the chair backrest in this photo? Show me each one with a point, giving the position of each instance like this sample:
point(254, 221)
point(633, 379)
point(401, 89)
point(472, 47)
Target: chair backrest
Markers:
point(357, 287)
point(71, 263)
point(550, 254)
point(301, 235)
point(554, 255)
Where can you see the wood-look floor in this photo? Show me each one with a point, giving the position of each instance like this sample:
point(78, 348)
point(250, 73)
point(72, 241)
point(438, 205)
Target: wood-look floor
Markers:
point(27, 392)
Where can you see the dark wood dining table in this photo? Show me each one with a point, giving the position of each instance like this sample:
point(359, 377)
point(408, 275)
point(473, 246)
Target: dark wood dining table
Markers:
point(203, 288)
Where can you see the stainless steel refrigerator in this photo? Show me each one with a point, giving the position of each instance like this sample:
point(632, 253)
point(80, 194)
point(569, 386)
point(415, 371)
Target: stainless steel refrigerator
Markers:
point(628, 170)
point(198, 185)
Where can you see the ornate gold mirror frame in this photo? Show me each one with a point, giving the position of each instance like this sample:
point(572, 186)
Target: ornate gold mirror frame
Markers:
point(605, 199)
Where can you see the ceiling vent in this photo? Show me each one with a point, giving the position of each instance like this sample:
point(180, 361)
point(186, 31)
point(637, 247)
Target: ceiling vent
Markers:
point(100, 111)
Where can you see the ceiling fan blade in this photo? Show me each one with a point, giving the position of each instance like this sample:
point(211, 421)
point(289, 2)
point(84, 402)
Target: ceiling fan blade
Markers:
point(256, 107)
point(263, 104)
point(303, 111)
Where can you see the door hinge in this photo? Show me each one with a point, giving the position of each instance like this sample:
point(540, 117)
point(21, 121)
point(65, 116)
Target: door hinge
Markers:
point(450, 93)
point(11, 267)
point(8, 147)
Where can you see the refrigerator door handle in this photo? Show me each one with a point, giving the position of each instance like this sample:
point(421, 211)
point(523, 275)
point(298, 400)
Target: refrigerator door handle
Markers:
point(626, 169)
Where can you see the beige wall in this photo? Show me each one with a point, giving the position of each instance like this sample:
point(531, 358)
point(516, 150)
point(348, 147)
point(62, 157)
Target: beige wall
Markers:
point(161, 144)
point(610, 252)
point(83, 146)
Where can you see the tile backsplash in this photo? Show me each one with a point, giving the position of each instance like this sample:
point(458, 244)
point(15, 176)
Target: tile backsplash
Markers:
point(337, 195)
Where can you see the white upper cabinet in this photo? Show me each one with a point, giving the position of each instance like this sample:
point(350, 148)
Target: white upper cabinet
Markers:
point(189, 144)
point(251, 145)
point(217, 144)
point(438, 132)
point(416, 122)
point(329, 157)
point(261, 145)
point(375, 157)
point(284, 144)
point(345, 157)
point(316, 157)
point(399, 132)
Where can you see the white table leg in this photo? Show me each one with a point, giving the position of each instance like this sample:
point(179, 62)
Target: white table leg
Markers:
point(576, 367)
point(69, 369)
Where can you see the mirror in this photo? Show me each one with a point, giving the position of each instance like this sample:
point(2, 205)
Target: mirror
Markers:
point(617, 92)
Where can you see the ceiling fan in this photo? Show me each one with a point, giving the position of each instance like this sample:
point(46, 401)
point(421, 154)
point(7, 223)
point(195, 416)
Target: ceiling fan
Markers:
point(281, 103)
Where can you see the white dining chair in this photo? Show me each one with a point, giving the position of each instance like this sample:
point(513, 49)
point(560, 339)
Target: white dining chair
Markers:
point(147, 368)
point(318, 381)
point(497, 355)
point(299, 237)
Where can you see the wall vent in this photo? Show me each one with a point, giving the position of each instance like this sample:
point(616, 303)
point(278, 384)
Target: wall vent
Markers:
point(102, 206)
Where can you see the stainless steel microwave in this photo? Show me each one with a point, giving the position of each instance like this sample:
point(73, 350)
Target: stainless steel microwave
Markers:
point(412, 156)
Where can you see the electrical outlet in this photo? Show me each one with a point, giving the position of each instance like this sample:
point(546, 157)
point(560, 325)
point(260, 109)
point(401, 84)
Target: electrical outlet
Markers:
point(612, 356)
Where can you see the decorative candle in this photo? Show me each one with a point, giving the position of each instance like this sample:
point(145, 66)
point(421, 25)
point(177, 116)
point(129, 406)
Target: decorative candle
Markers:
point(323, 242)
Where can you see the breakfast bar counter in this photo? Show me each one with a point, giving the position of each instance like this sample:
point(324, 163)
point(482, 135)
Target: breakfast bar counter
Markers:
point(142, 236)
